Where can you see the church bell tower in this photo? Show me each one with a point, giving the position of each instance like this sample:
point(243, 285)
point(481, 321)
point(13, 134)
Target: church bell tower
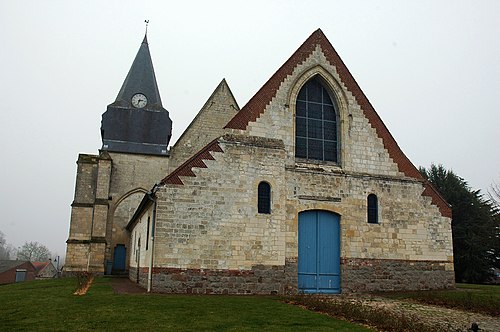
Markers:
point(135, 132)
point(136, 121)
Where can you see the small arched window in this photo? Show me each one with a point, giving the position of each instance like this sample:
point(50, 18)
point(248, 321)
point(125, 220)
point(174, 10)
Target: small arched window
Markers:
point(315, 123)
point(372, 210)
point(264, 198)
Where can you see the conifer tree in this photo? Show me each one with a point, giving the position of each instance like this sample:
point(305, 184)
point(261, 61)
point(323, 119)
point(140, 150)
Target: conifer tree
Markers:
point(474, 224)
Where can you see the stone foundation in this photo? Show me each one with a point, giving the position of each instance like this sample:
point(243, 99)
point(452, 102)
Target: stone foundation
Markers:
point(143, 276)
point(357, 275)
point(376, 275)
point(259, 280)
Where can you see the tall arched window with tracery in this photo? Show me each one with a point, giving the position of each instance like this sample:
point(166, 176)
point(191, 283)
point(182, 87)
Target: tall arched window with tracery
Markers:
point(316, 123)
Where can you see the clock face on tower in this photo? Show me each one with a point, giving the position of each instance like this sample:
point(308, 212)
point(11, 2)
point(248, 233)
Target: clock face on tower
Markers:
point(139, 100)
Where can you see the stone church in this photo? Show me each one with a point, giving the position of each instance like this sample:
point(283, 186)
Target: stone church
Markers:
point(303, 189)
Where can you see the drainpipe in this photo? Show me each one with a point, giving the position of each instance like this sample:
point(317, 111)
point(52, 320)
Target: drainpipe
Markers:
point(152, 197)
point(90, 241)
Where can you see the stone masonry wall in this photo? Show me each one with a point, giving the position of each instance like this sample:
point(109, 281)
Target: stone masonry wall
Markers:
point(140, 279)
point(357, 276)
point(260, 279)
point(86, 176)
point(131, 176)
point(361, 150)
point(211, 222)
point(206, 126)
point(108, 189)
point(409, 228)
point(375, 275)
point(211, 239)
point(140, 243)
point(202, 237)
point(76, 257)
point(82, 210)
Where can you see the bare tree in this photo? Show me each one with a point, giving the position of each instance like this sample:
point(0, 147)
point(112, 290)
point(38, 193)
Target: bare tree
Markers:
point(6, 250)
point(494, 194)
point(34, 252)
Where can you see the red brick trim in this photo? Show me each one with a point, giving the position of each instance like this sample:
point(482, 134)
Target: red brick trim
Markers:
point(195, 161)
point(257, 104)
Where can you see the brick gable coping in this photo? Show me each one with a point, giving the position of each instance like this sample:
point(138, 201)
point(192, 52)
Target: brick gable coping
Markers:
point(258, 103)
point(196, 160)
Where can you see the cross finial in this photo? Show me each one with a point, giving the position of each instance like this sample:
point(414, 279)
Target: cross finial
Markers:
point(147, 22)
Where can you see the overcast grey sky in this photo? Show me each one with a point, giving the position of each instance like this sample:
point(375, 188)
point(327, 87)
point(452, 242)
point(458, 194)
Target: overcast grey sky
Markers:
point(430, 68)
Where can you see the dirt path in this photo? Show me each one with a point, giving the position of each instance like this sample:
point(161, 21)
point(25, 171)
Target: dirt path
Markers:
point(442, 319)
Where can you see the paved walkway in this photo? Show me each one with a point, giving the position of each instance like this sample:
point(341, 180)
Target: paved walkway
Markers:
point(125, 286)
point(440, 318)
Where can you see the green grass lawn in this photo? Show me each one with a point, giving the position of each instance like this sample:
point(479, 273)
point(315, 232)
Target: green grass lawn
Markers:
point(51, 306)
point(477, 298)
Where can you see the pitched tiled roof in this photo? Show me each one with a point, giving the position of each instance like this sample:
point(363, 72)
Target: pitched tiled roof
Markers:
point(195, 161)
point(39, 266)
point(257, 104)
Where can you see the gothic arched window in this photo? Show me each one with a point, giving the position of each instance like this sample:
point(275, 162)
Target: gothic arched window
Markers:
point(315, 123)
point(372, 210)
point(264, 198)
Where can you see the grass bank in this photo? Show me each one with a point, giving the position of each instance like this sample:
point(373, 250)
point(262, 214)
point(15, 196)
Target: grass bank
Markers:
point(51, 306)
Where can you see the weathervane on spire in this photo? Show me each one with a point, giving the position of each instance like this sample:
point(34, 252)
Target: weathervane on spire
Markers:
point(147, 22)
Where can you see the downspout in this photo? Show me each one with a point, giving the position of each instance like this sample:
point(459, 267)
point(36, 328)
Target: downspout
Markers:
point(90, 241)
point(152, 197)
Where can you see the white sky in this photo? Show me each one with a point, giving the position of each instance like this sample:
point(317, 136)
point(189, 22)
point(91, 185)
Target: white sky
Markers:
point(430, 68)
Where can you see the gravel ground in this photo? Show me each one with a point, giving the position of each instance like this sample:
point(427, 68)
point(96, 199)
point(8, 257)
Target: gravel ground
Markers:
point(440, 318)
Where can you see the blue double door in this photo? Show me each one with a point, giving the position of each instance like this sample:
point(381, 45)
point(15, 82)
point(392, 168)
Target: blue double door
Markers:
point(319, 252)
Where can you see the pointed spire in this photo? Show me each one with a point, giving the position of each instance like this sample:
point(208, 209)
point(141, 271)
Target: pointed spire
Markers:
point(137, 122)
point(140, 79)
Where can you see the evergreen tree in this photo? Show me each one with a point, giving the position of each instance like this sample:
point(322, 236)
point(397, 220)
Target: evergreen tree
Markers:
point(474, 226)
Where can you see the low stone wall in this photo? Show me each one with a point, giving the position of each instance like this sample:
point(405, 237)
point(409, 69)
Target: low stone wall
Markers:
point(374, 275)
point(357, 276)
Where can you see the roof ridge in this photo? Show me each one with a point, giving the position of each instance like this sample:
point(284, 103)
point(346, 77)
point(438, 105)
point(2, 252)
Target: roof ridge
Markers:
point(206, 106)
point(195, 161)
point(258, 103)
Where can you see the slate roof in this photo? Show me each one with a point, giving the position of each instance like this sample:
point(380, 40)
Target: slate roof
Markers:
point(140, 78)
point(258, 103)
point(146, 130)
point(6, 265)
